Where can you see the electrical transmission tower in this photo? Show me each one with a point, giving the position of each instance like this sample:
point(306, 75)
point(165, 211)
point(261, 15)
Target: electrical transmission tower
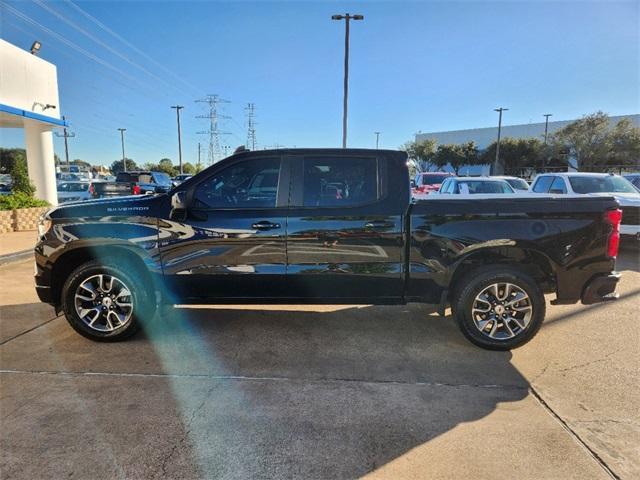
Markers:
point(214, 132)
point(250, 110)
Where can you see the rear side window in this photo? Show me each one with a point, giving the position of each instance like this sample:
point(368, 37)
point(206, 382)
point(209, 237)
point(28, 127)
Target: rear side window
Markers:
point(125, 177)
point(542, 184)
point(558, 185)
point(340, 182)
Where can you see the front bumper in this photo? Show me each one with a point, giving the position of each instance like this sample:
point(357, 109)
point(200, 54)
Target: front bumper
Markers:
point(601, 288)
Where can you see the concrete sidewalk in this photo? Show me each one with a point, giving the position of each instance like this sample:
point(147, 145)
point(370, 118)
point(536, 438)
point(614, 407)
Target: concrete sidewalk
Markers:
point(17, 242)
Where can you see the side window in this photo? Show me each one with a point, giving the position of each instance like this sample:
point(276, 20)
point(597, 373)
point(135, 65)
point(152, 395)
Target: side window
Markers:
point(452, 187)
point(558, 185)
point(250, 184)
point(340, 182)
point(444, 186)
point(542, 184)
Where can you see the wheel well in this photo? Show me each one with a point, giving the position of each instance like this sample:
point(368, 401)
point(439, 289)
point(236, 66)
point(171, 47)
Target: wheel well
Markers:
point(533, 263)
point(111, 255)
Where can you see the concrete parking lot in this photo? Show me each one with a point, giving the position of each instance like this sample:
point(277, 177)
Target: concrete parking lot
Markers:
point(318, 392)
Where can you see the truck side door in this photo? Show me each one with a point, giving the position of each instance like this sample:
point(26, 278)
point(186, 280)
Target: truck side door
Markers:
point(345, 227)
point(232, 243)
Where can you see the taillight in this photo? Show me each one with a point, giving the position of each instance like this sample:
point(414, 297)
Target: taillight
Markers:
point(136, 190)
point(613, 218)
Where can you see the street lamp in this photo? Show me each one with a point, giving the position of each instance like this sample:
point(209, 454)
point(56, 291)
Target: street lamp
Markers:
point(347, 18)
point(178, 108)
point(124, 159)
point(35, 47)
point(499, 110)
point(546, 125)
point(377, 139)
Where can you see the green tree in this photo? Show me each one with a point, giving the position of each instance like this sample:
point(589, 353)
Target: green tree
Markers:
point(118, 166)
point(188, 168)
point(166, 165)
point(456, 156)
point(14, 162)
point(624, 144)
point(516, 154)
point(585, 140)
point(421, 151)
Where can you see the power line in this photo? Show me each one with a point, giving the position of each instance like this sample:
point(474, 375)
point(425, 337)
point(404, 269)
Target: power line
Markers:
point(250, 110)
point(100, 42)
point(132, 46)
point(213, 102)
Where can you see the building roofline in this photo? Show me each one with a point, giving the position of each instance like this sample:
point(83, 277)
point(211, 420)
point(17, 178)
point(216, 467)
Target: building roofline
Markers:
point(32, 115)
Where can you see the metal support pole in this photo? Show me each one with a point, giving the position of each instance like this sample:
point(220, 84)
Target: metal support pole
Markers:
point(178, 108)
point(497, 160)
point(124, 158)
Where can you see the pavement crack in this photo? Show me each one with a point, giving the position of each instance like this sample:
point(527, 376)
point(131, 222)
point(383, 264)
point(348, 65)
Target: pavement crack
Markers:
point(267, 379)
point(27, 331)
point(573, 433)
point(582, 365)
point(187, 431)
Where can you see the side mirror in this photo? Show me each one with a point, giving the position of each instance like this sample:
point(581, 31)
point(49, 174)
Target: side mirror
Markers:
point(178, 206)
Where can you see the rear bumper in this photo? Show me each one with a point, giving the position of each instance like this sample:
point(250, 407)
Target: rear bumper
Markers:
point(601, 288)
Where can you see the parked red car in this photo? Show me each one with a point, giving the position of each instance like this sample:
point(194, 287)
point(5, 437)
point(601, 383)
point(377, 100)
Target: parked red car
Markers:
point(427, 182)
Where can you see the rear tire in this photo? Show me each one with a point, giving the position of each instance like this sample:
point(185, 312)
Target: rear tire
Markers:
point(498, 308)
point(104, 303)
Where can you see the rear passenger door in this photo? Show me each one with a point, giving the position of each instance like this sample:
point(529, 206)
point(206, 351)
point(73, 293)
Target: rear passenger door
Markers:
point(344, 229)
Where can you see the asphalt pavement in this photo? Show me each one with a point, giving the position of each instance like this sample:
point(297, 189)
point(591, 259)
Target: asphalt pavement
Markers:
point(318, 392)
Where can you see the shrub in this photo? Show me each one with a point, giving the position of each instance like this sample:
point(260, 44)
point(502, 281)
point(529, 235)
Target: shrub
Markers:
point(20, 177)
point(20, 200)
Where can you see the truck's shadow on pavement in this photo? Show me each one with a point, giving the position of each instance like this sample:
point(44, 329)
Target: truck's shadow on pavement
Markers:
point(332, 394)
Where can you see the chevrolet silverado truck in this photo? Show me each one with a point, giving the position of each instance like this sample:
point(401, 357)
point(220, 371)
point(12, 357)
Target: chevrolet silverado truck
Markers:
point(332, 226)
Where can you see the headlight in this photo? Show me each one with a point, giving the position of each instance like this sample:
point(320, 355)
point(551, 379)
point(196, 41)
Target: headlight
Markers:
point(44, 225)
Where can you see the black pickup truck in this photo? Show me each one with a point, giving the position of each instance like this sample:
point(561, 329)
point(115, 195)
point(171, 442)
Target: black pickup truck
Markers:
point(325, 226)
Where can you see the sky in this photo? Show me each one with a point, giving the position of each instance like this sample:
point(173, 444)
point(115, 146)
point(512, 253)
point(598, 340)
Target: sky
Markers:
point(414, 66)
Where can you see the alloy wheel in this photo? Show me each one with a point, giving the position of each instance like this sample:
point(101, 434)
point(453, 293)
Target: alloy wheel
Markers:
point(502, 311)
point(104, 303)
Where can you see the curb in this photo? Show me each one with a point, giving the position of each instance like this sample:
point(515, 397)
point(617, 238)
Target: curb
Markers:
point(15, 257)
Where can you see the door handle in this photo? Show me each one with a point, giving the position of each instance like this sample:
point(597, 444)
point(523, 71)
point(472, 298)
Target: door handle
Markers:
point(265, 225)
point(378, 224)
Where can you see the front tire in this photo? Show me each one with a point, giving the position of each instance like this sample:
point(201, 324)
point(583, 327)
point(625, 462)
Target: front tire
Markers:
point(103, 303)
point(499, 308)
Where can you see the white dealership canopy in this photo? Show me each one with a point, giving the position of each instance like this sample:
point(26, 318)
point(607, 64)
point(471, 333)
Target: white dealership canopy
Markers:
point(29, 100)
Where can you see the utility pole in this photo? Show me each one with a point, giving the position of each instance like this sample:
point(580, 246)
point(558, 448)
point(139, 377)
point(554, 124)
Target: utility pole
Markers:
point(546, 125)
point(377, 139)
point(213, 101)
point(124, 159)
point(347, 18)
point(198, 156)
point(178, 108)
point(499, 110)
point(66, 135)
point(250, 110)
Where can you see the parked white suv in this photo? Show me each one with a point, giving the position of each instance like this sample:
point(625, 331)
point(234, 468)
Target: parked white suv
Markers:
point(600, 184)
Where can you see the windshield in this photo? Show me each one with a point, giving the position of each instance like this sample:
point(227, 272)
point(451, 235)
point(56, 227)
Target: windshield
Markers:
point(432, 179)
point(73, 187)
point(608, 184)
point(486, 187)
point(162, 178)
point(517, 183)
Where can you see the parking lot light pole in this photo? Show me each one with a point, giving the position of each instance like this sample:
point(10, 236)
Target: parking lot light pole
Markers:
point(178, 108)
point(124, 159)
point(347, 18)
point(377, 139)
point(546, 125)
point(499, 110)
